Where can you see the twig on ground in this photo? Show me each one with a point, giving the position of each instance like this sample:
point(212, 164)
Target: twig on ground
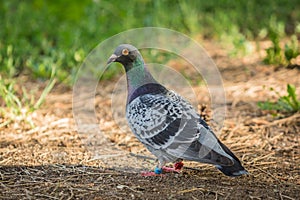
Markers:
point(199, 189)
point(285, 196)
point(284, 120)
point(261, 158)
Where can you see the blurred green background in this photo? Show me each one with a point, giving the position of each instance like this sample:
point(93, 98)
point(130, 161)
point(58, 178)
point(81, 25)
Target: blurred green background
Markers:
point(39, 35)
point(45, 41)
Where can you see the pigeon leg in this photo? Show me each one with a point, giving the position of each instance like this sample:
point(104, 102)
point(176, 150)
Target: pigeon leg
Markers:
point(177, 167)
point(157, 171)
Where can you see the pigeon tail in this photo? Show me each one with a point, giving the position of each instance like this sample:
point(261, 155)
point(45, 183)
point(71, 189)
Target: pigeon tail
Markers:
point(234, 170)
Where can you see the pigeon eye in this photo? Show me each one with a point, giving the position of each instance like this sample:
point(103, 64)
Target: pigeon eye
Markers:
point(125, 52)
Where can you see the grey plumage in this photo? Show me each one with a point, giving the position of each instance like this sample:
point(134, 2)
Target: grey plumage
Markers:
point(167, 124)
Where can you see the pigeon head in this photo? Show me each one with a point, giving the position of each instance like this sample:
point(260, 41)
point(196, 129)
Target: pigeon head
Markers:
point(137, 73)
point(127, 55)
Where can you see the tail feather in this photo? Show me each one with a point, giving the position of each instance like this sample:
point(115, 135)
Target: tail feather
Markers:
point(234, 170)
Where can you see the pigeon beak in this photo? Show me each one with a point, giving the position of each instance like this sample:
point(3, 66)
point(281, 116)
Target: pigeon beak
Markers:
point(112, 58)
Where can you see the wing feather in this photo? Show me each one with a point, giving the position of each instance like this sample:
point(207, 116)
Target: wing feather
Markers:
point(157, 119)
point(168, 123)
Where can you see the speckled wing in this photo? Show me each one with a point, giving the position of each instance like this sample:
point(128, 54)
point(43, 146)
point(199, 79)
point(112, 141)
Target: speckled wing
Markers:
point(157, 119)
point(168, 123)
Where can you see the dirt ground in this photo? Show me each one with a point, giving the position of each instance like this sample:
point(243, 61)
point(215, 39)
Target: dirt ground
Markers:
point(52, 160)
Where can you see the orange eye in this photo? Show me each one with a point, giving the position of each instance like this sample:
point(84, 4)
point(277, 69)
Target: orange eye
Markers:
point(125, 52)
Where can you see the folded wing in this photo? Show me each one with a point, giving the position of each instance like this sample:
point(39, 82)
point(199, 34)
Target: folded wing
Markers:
point(168, 123)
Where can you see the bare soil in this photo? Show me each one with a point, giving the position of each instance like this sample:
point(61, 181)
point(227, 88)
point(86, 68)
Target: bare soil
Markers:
point(52, 160)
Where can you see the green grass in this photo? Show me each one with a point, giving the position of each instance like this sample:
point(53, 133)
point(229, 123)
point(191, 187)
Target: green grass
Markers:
point(286, 103)
point(39, 35)
point(281, 55)
point(19, 102)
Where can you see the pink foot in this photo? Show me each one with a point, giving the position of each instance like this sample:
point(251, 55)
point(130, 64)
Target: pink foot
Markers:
point(170, 169)
point(177, 168)
point(158, 171)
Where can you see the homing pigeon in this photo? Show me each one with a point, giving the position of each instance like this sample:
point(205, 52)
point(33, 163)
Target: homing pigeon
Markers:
point(168, 125)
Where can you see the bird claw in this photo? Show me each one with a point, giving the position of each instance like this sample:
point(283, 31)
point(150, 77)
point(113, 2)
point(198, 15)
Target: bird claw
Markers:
point(170, 169)
point(177, 168)
point(178, 165)
point(158, 171)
